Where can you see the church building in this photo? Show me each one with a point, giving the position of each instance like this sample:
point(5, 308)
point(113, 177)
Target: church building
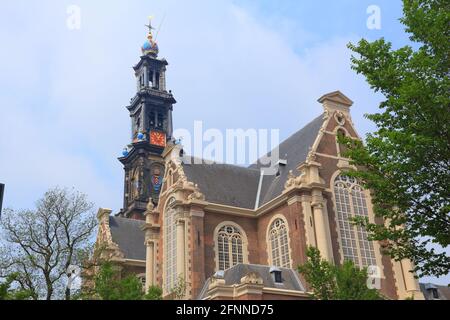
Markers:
point(230, 232)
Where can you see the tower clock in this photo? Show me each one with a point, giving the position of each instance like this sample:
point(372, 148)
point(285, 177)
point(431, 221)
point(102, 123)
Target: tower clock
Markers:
point(151, 128)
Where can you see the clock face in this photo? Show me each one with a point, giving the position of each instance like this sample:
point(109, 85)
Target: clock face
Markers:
point(158, 138)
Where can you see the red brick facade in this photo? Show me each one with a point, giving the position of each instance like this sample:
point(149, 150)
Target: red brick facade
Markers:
point(201, 257)
point(310, 186)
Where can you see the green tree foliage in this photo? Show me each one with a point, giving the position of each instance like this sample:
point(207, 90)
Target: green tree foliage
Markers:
point(319, 274)
point(407, 160)
point(330, 282)
point(178, 292)
point(154, 293)
point(39, 245)
point(8, 293)
point(109, 285)
point(351, 283)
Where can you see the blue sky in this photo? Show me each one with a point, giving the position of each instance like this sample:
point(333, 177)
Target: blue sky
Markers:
point(233, 64)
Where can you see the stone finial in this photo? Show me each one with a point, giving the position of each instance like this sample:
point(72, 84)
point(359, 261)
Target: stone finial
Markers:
point(336, 101)
point(103, 215)
point(311, 157)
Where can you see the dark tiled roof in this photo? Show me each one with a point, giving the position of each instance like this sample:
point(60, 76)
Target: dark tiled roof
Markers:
point(225, 184)
point(127, 234)
point(238, 186)
point(295, 150)
point(443, 291)
point(234, 275)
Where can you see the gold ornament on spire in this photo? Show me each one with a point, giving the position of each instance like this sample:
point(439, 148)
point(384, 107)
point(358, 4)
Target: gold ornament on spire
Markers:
point(150, 47)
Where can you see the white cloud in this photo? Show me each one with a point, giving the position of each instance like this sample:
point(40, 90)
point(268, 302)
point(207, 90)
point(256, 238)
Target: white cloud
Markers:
point(226, 68)
point(63, 93)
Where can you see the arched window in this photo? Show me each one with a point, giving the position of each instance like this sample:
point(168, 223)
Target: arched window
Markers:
point(278, 244)
point(230, 247)
point(351, 202)
point(170, 246)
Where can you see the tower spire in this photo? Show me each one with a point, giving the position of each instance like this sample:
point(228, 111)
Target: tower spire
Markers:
point(151, 130)
point(149, 25)
point(150, 47)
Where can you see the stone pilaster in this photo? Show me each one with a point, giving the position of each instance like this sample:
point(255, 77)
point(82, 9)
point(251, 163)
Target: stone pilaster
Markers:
point(150, 264)
point(181, 248)
point(309, 221)
point(411, 283)
point(321, 226)
point(197, 249)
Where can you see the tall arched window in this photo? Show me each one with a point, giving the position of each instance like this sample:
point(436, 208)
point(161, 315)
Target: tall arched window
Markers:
point(230, 247)
point(351, 202)
point(278, 243)
point(170, 246)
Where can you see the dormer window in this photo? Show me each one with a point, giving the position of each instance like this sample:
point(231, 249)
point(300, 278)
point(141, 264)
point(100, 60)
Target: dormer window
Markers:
point(276, 275)
point(434, 293)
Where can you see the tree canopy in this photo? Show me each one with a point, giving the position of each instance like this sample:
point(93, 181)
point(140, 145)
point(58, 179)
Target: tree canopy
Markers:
point(330, 282)
point(38, 246)
point(406, 161)
point(109, 284)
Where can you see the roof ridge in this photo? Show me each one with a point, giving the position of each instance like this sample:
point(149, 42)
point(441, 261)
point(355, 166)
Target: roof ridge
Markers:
point(306, 125)
point(220, 163)
point(258, 265)
point(291, 136)
point(128, 219)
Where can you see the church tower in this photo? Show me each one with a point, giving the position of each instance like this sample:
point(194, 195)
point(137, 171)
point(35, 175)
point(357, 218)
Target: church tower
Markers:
point(151, 128)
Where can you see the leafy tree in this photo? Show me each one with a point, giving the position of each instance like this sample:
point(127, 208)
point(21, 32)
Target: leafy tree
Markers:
point(39, 245)
point(131, 288)
point(108, 285)
point(178, 292)
point(154, 293)
point(7, 293)
point(407, 160)
point(319, 274)
point(330, 282)
point(351, 283)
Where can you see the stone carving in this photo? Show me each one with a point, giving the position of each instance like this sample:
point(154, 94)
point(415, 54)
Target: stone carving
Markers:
point(340, 118)
point(252, 278)
point(196, 195)
point(105, 245)
point(311, 157)
point(150, 206)
point(115, 252)
point(181, 175)
point(294, 181)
